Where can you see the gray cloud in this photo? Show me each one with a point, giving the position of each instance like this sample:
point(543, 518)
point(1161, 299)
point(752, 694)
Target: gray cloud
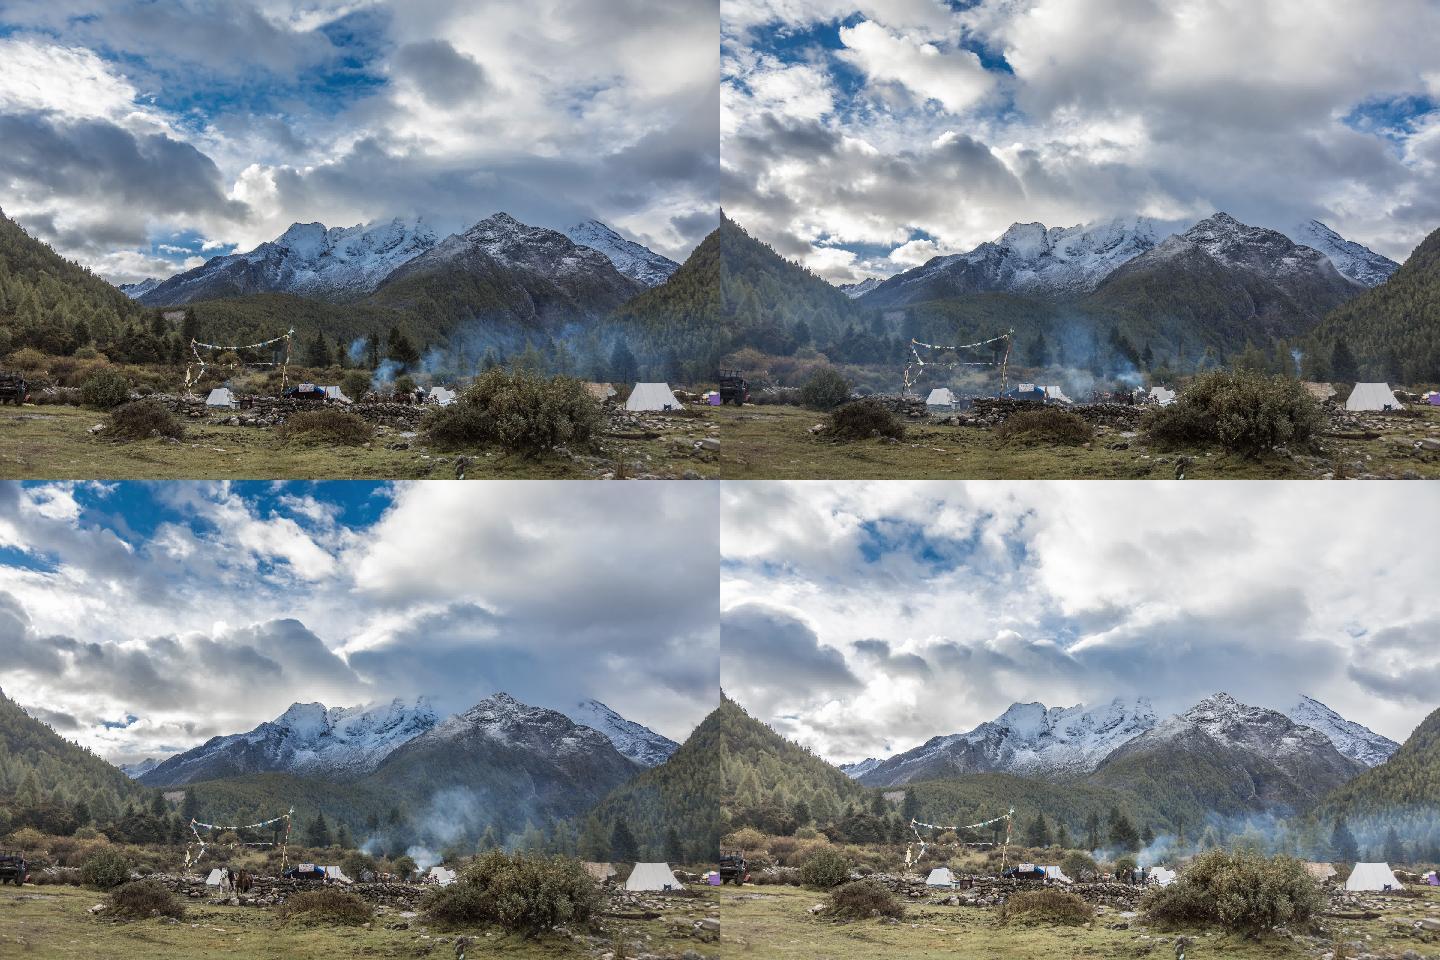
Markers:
point(443, 74)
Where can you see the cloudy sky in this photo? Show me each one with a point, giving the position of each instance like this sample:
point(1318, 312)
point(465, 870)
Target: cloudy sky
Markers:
point(864, 618)
point(865, 136)
point(142, 619)
point(143, 137)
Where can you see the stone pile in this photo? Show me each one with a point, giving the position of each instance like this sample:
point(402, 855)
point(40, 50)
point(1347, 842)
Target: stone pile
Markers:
point(976, 890)
point(271, 891)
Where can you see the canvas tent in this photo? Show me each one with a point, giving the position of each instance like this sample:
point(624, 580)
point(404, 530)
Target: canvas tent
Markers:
point(652, 396)
point(1162, 395)
point(600, 391)
point(1053, 392)
point(1372, 396)
point(601, 872)
point(1372, 876)
point(1055, 873)
point(221, 397)
point(439, 874)
point(1161, 876)
point(216, 878)
point(1320, 872)
point(336, 874)
point(940, 397)
point(442, 396)
point(335, 393)
point(940, 877)
point(652, 876)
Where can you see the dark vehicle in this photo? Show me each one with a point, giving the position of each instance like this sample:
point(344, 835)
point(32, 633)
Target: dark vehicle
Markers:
point(1033, 873)
point(13, 389)
point(305, 391)
point(733, 388)
point(13, 869)
point(734, 869)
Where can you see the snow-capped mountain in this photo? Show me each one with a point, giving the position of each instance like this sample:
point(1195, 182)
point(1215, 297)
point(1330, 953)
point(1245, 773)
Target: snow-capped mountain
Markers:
point(630, 258)
point(1255, 249)
point(306, 739)
point(308, 259)
point(1350, 738)
point(1028, 739)
point(1353, 260)
point(857, 290)
point(1029, 259)
point(137, 290)
point(138, 769)
point(639, 743)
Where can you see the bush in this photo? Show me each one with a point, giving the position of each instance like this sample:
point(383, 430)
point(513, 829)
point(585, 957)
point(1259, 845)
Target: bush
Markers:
point(1046, 906)
point(1244, 412)
point(1124, 864)
point(1048, 425)
point(327, 906)
point(520, 412)
point(518, 893)
point(862, 900)
point(404, 383)
point(1243, 892)
point(355, 384)
point(29, 359)
point(1077, 863)
point(863, 419)
point(105, 869)
point(105, 389)
point(329, 426)
point(142, 899)
point(750, 839)
point(140, 419)
point(825, 868)
point(825, 389)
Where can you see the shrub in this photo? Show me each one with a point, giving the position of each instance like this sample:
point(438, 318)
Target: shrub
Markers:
point(518, 893)
point(825, 868)
point(105, 869)
point(329, 426)
point(1243, 892)
point(140, 419)
point(825, 389)
point(521, 412)
point(327, 906)
point(863, 419)
point(748, 838)
point(142, 899)
point(1078, 863)
point(1048, 425)
point(28, 359)
point(1125, 863)
point(355, 384)
point(862, 900)
point(105, 389)
point(1046, 906)
point(1244, 412)
point(405, 383)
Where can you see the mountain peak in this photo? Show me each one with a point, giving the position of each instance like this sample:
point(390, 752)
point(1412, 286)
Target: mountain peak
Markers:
point(1353, 740)
point(633, 740)
point(630, 258)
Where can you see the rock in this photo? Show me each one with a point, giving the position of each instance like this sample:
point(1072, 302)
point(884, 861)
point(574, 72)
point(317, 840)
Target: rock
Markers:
point(817, 428)
point(710, 443)
point(98, 428)
point(817, 909)
point(98, 908)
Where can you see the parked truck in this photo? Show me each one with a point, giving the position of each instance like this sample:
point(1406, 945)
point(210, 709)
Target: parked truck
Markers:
point(13, 388)
point(13, 868)
point(733, 387)
point(734, 869)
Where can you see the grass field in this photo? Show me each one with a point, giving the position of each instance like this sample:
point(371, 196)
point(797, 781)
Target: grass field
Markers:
point(775, 923)
point(773, 443)
point(53, 443)
point(53, 923)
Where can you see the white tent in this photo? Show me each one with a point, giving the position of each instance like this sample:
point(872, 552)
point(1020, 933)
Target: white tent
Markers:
point(1055, 873)
point(1161, 876)
point(1162, 395)
point(1373, 396)
point(652, 876)
point(1054, 392)
point(940, 397)
point(1372, 876)
point(940, 877)
point(1320, 872)
point(221, 397)
point(216, 878)
point(442, 396)
point(335, 873)
point(652, 396)
point(439, 874)
point(335, 393)
point(601, 872)
point(600, 391)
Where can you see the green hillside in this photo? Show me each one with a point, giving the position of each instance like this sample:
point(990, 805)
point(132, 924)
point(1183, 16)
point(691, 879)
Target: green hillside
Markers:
point(983, 796)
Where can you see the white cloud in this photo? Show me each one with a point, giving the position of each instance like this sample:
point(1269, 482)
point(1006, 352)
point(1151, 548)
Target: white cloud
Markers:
point(954, 78)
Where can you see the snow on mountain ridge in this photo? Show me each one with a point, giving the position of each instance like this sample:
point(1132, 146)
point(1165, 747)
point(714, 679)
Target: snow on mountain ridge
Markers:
point(1353, 740)
point(1354, 261)
point(638, 742)
point(632, 259)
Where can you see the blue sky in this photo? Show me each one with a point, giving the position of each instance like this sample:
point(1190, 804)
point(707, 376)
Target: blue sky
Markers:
point(864, 618)
point(141, 619)
point(865, 137)
point(145, 137)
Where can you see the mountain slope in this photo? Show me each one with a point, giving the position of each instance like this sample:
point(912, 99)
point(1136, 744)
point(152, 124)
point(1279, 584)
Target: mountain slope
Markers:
point(501, 764)
point(1026, 739)
point(1224, 757)
point(1397, 324)
point(35, 759)
point(1027, 259)
point(1407, 783)
point(307, 739)
point(338, 263)
point(632, 259)
point(1357, 742)
point(633, 740)
point(1354, 261)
